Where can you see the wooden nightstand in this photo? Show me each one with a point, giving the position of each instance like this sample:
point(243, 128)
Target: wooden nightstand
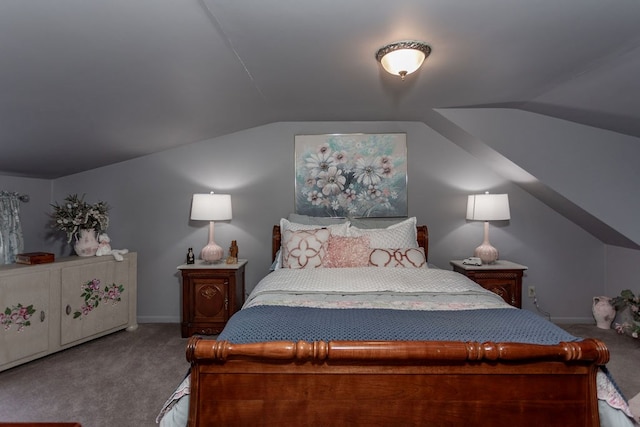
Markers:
point(211, 293)
point(503, 278)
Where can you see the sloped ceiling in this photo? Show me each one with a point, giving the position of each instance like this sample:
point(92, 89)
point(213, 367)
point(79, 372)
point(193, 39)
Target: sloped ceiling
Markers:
point(89, 83)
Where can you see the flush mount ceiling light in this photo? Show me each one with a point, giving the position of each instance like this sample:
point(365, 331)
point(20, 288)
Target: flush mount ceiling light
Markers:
point(404, 57)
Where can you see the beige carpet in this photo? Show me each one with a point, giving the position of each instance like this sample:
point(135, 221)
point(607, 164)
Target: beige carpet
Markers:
point(120, 380)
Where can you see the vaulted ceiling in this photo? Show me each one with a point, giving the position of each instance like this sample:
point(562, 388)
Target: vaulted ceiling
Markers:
point(89, 83)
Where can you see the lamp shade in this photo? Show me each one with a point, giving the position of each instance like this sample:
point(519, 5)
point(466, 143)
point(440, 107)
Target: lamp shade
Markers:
point(211, 207)
point(488, 207)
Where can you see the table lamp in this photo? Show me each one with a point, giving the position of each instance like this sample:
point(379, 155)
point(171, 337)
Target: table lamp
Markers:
point(487, 207)
point(211, 207)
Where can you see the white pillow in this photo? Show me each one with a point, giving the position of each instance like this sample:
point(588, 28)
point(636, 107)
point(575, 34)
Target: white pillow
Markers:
point(401, 235)
point(335, 229)
point(304, 248)
point(316, 220)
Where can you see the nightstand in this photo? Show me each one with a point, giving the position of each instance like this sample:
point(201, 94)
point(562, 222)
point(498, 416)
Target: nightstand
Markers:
point(503, 278)
point(211, 293)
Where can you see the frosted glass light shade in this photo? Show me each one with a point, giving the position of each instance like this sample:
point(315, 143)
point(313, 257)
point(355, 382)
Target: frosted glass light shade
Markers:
point(402, 58)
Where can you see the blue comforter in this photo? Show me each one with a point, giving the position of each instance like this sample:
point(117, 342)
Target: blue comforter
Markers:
point(275, 323)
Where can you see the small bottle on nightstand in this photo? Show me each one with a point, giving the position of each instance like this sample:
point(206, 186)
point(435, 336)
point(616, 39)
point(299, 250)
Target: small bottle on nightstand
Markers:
point(191, 259)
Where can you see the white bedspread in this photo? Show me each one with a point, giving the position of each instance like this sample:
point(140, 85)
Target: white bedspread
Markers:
point(371, 287)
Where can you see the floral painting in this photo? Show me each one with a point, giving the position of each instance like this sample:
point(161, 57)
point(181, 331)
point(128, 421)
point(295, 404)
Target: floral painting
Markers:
point(351, 175)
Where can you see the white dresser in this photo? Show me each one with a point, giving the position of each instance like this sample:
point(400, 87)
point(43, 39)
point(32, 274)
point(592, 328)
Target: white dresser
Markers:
point(49, 307)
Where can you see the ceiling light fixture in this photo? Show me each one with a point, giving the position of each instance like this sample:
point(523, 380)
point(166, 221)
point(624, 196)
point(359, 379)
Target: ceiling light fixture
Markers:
point(403, 57)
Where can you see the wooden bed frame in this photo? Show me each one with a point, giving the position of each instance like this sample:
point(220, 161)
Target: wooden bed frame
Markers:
point(409, 383)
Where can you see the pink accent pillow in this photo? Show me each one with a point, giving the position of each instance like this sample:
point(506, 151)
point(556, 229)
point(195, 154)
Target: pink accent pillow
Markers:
point(304, 248)
point(346, 252)
point(406, 257)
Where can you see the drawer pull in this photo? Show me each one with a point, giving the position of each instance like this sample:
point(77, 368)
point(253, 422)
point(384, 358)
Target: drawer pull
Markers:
point(42, 316)
point(68, 309)
point(226, 302)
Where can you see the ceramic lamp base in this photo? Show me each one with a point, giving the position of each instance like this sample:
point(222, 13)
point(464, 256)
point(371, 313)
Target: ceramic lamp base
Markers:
point(487, 253)
point(211, 253)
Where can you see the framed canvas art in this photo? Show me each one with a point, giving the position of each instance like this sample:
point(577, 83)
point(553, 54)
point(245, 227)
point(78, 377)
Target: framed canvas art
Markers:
point(351, 175)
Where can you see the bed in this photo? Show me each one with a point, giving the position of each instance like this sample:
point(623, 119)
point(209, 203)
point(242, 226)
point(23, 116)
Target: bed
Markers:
point(390, 342)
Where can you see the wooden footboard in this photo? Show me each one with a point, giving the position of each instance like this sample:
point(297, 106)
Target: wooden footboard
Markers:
point(407, 383)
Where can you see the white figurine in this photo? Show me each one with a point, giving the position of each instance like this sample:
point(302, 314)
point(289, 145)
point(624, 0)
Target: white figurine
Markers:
point(104, 248)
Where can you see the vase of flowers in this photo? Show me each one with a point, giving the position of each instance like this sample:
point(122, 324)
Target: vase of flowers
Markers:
point(81, 222)
point(628, 305)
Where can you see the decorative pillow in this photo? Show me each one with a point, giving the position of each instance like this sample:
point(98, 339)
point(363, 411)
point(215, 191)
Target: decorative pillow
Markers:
point(401, 235)
point(344, 252)
point(304, 248)
point(406, 257)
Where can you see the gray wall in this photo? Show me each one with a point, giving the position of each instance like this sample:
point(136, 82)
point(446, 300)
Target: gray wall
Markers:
point(150, 198)
point(593, 168)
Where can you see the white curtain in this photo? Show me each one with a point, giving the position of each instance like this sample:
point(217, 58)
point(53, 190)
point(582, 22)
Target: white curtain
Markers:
point(11, 241)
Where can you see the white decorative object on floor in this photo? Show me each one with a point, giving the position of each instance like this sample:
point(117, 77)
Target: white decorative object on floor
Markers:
point(603, 312)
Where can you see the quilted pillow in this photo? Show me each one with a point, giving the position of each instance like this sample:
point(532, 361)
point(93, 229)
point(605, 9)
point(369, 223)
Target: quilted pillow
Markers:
point(406, 257)
point(345, 252)
point(401, 235)
point(304, 248)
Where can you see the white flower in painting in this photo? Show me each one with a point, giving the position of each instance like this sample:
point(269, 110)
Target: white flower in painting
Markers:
point(350, 194)
point(315, 198)
point(310, 181)
point(386, 164)
point(324, 149)
point(368, 171)
point(332, 181)
point(319, 162)
point(373, 191)
point(340, 157)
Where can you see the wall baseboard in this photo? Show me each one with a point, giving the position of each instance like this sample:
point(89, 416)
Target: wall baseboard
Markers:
point(158, 319)
point(573, 320)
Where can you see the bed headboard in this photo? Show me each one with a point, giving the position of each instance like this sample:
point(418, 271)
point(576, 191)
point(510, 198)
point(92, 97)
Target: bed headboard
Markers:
point(422, 230)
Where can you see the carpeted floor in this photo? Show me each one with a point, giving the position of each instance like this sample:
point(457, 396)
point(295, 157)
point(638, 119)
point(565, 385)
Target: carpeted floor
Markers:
point(123, 379)
point(119, 380)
